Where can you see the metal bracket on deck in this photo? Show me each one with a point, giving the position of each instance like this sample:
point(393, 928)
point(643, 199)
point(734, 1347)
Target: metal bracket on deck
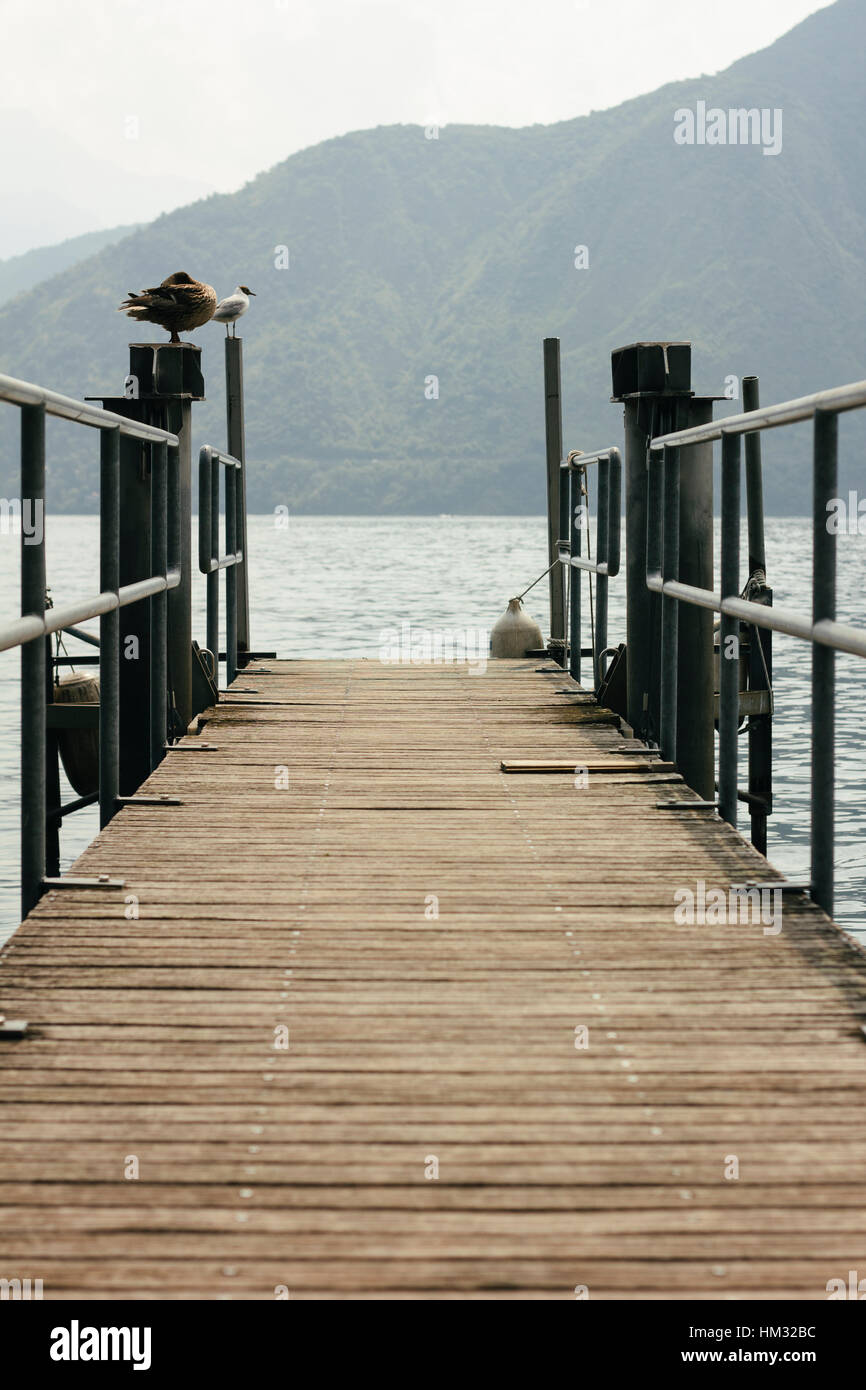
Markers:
point(163, 800)
point(12, 1028)
point(687, 805)
point(191, 747)
point(783, 885)
point(641, 751)
point(103, 881)
point(251, 656)
point(570, 765)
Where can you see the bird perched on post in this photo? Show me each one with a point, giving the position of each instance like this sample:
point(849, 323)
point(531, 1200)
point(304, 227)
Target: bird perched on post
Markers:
point(230, 309)
point(178, 304)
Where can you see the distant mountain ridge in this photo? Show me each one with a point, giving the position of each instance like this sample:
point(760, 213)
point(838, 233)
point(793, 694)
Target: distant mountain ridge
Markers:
point(413, 259)
point(20, 273)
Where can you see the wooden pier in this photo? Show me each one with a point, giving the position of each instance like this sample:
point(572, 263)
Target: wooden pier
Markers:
point(439, 1126)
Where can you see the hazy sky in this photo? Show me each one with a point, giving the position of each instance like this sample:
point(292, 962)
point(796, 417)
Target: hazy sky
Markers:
point(216, 90)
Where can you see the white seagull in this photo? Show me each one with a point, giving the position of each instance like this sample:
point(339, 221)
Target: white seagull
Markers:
point(230, 309)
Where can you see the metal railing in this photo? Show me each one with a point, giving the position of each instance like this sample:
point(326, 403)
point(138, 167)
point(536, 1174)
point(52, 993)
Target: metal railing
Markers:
point(210, 561)
point(573, 523)
point(36, 623)
point(826, 635)
point(163, 513)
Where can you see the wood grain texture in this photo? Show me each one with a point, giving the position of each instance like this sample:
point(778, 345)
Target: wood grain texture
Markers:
point(352, 865)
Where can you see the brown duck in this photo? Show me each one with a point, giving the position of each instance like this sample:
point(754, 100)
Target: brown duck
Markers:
point(178, 304)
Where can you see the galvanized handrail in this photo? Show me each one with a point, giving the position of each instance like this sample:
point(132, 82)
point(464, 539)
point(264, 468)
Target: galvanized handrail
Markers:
point(210, 562)
point(836, 399)
point(35, 623)
point(822, 630)
point(25, 629)
point(606, 565)
point(25, 393)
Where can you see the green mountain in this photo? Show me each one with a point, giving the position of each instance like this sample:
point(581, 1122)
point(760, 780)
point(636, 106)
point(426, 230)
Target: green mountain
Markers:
point(412, 257)
point(20, 273)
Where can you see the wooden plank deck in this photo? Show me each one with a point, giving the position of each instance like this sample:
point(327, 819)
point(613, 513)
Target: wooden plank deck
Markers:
point(414, 1037)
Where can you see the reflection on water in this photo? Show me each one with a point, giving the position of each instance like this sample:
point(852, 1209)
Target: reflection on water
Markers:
point(326, 586)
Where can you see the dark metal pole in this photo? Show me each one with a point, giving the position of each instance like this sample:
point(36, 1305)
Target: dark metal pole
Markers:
point(109, 624)
point(695, 673)
point(170, 380)
point(729, 637)
point(52, 776)
point(33, 664)
point(754, 481)
point(237, 447)
point(823, 659)
point(570, 518)
point(213, 578)
point(134, 619)
point(231, 576)
point(602, 534)
point(180, 599)
point(638, 596)
point(761, 729)
point(175, 559)
point(761, 643)
point(670, 606)
point(553, 439)
point(158, 604)
point(653, 549)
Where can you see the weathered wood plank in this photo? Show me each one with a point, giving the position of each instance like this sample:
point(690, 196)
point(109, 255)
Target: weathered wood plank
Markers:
point(355, 864)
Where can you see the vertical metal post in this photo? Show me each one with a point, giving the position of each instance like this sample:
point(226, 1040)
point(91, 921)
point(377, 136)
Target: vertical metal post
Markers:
point(825, 487)
point(213, 579)
point(638, 605)
point(52, 776)
point(761, 729)
point(553, 440)
point(134, 619)
point(180, 599)
point(754, 481)
point(173, 508)
point(670, 566)
point(614, 526)
point(729, 638)
point(653, 550)
point(237, 446)
point(602, 548)
point(571, 513)
point(761, 642)
point(33, 665)
point(158, 603)
point(109, 624)
point(695, 675)
point(231, 576)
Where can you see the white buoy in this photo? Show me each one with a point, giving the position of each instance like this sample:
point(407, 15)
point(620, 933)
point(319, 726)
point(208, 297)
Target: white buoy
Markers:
point(515, 633)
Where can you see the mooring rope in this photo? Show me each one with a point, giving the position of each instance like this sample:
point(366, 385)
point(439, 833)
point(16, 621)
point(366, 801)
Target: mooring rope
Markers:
point(539, 579)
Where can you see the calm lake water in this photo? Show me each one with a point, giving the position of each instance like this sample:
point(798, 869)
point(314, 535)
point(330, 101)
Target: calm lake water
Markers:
point(327, 586)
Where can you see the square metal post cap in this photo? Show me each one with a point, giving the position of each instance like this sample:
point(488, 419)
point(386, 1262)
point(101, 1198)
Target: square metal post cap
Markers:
point(167, 369)
point(656, 367)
